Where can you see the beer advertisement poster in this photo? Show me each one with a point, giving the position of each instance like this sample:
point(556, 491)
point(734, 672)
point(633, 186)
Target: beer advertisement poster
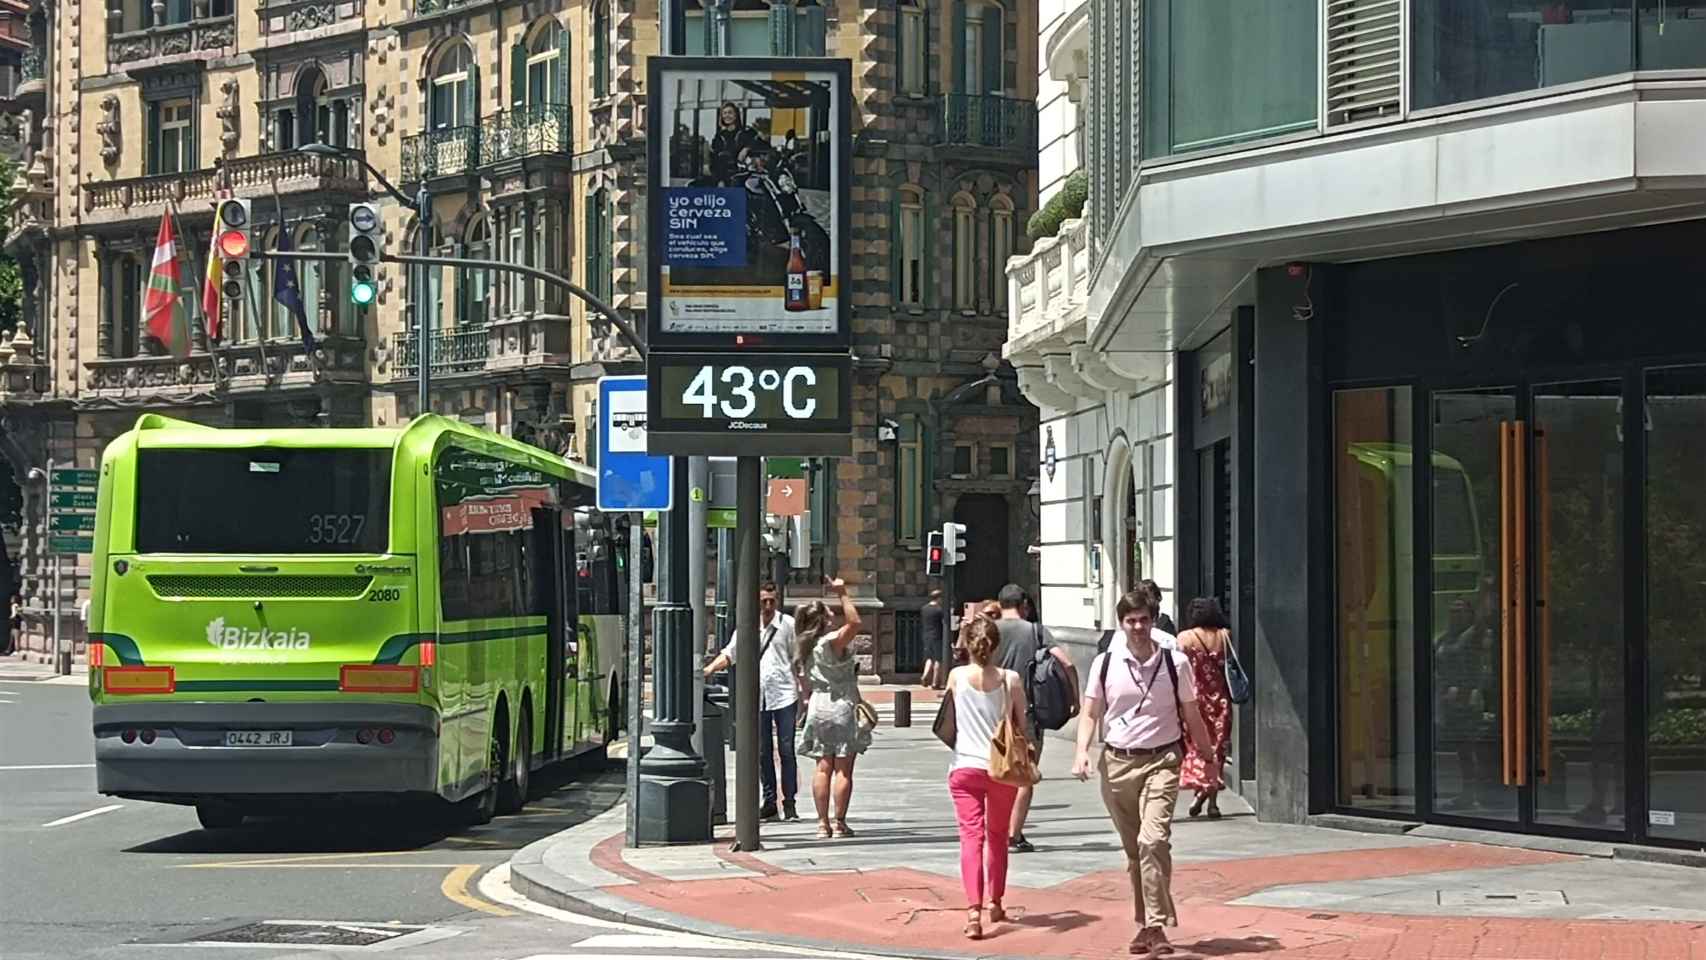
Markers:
point(749, 202)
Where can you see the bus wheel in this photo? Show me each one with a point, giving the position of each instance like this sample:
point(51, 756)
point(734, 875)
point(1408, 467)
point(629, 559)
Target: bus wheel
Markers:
point(512, 791)
point(218, 816)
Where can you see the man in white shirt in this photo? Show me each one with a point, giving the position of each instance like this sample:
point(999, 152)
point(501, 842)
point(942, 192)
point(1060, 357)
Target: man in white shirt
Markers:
point(778, 701)
point(1143, 700)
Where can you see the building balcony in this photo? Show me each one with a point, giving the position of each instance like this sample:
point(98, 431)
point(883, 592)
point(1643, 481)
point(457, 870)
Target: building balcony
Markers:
point(987, 120)
point(248, 367)
point(427, 7)
point(511, 347)
point(198, 39)
point(146, 198)
point(538, 130)
point(453, 351)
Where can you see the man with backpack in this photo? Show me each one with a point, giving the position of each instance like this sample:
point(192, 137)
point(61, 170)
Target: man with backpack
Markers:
point(1051, 688)
point(1143, 700)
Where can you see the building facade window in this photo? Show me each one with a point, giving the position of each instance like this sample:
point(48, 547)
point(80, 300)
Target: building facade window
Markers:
point(981, 46)
point(965, 460)
point(473, 304)
point(1001, 247)
point(1220, 72)
point(600, 242)
point(544, 68)
point(326, 116)
point(910, 476)
point(172, 140)
point(123, 285)
point(601, 49)
point(453, 86)
point(1000, 461)
point(965, 253)
point(913, 43)
point(911, 245)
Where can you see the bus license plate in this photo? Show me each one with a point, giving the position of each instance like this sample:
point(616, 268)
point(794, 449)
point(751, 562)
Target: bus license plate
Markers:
point(257, 738)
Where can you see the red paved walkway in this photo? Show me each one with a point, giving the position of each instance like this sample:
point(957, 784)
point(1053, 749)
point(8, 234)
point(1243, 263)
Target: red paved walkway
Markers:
point(1090, 918)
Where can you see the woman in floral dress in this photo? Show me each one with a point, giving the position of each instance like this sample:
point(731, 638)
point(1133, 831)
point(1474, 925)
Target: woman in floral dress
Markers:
point(1204, 640)
point(832, 732)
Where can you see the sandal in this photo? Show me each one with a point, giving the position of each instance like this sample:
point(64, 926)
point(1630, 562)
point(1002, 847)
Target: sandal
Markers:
point(997, 913)
point(823, 831)
point(843, 830)
point(974, 925)
point(1196, 808)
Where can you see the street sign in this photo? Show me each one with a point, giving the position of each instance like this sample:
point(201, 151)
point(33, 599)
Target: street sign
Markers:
point(72, 500)
point(787, 497)
point(629, 478)
point(784, 466)
point(720, 519)
point(72, 523)
point(65, 544)
point(757, 256)
point(76, 478)
point(743, 404)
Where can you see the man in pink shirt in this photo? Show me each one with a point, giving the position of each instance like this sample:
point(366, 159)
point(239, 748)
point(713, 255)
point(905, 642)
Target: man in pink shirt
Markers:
point(1142, 698)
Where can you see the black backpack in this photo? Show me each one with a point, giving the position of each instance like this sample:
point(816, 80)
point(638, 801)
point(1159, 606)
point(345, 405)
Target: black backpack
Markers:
point(1049, 688)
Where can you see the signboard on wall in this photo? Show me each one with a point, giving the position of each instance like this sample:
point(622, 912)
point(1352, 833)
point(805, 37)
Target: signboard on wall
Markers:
point(751, 170)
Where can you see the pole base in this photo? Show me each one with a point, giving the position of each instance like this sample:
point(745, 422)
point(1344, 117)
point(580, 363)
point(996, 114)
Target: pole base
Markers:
point(674, 810)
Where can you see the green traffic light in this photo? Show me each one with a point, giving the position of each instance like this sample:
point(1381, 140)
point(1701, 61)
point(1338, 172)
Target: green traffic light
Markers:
point(361, 293)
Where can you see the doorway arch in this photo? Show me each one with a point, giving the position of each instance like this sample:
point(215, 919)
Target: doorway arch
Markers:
point(1122, 522)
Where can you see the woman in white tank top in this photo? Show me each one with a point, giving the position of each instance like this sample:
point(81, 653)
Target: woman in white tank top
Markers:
point(983, 694)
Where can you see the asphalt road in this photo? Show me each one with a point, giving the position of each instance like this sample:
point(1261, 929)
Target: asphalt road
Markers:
point(87, 876)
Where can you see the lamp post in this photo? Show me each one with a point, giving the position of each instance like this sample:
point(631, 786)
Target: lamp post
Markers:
point(423, 215)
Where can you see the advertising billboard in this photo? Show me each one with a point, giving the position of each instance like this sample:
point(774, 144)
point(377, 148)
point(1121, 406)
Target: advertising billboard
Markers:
point(748, 202)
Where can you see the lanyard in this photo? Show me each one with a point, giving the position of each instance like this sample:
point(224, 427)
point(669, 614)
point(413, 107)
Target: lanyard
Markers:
point(1130, 716)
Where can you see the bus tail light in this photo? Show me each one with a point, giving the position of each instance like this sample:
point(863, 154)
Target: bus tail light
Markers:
point(97, 654)
point(429, 653)
point(364, 736)
point(148, 736)
point(386, 735)
point(378, 678)
point(129, 736)
point(139, 679)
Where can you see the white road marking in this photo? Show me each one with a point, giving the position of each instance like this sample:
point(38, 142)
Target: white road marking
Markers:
point(62, 821)
point(49, 766)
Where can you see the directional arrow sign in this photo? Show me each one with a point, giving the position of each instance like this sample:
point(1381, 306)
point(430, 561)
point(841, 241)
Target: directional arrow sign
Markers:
point(76, 478)
point(787, 497)
point(73, 500)
point(64, 544)
point(72, 523)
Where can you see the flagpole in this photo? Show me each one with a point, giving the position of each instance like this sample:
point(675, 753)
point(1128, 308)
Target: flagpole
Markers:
point(306, 334)
point(178, 227)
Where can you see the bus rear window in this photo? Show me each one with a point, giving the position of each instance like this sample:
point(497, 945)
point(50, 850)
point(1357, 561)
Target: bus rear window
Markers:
point(262, 500)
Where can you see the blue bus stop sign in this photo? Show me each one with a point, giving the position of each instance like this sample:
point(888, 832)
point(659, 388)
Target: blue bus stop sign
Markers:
point(629, 478)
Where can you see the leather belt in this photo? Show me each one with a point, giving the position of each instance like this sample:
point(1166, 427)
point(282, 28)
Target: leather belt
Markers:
point(1141, 753)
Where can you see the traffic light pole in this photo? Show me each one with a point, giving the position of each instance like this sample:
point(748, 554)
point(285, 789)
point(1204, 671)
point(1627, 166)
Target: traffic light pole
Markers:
point(423, 330)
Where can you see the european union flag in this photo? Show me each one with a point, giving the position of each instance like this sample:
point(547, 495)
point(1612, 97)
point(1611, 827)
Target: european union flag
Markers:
point(288, 292)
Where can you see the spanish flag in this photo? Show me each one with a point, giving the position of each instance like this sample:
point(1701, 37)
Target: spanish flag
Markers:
point(210, 299)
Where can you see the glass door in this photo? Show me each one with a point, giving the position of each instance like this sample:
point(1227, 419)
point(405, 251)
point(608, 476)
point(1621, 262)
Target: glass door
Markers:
point(1675, 531)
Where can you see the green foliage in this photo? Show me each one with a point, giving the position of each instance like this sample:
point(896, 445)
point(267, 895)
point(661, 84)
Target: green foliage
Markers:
point(1066, 204)
point(11, 279)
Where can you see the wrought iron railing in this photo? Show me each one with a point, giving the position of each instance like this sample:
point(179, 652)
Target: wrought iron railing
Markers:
point(453, 351)
point(986, 120)
point(424, 7)
point(528, 131)
point(31, 66)
point(444, 152)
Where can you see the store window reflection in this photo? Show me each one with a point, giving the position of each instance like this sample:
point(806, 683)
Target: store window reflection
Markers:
point(1374, 582)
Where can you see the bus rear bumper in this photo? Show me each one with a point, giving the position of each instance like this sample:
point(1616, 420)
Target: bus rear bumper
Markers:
point(189, 758)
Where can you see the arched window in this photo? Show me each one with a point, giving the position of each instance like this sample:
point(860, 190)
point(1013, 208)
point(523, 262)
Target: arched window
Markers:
point(965, 252)
point(1001, 247)
point(544, 67)
point(453, 86)
point(320, 117)
point(911, 244)
point(476, 285)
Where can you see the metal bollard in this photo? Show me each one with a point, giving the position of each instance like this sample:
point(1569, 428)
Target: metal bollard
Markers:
point(903, 708)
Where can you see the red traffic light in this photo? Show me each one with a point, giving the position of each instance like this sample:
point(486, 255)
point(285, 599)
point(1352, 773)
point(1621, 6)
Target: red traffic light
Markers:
point(935, 554)
point(234, 243)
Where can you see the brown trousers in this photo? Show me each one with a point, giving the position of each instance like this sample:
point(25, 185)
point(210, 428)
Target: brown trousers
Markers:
point(1139, 793)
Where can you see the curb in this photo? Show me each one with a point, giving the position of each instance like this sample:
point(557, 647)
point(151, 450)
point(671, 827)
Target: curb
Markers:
point(531, 878)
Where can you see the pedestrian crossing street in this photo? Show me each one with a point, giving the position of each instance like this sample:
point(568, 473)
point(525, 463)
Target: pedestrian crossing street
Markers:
point(671, 946)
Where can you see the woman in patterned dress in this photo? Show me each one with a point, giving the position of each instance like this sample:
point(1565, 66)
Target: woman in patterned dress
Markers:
point(1204, 640)
point(831, 733)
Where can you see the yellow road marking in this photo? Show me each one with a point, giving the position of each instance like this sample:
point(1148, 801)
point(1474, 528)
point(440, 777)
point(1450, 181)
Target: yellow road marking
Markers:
point(455, 888)
point(474, 841)
point(316, 866)
point(304, 858)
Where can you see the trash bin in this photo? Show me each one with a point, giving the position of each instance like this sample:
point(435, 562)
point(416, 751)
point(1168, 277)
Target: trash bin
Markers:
point(724, 684)
point(712, 735)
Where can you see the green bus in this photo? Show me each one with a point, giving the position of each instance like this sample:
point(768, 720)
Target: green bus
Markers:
point(281, 616)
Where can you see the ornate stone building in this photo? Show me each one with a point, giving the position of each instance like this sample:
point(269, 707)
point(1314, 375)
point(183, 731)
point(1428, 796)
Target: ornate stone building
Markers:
point(524, 120)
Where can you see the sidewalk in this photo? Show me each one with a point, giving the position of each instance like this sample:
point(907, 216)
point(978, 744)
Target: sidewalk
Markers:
point(15, 666)
point(1243, 887)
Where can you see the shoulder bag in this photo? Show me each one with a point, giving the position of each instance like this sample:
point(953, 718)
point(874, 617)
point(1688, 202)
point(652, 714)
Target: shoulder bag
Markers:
point(1238, 688)
point(1010, 758)
point(946, 726)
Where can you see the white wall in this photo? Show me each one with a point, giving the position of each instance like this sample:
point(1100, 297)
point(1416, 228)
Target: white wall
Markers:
point(1059, 123)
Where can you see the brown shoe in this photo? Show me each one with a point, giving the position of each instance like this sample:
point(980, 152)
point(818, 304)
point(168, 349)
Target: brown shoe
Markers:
point(1140, 944)
point(1158, 942)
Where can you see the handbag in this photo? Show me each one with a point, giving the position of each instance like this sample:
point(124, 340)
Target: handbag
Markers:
point(866, 716)
point(1237, 681)
point(946, 726)
point(1010, 758)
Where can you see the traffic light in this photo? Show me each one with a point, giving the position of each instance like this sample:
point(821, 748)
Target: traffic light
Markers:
point(233, 247)
point(933, 554)
point(800, 541)
point(364, 238)
point(953, 543)
point(775, 533)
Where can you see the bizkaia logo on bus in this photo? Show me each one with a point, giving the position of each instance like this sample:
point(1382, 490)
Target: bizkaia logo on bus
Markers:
point(237, 638)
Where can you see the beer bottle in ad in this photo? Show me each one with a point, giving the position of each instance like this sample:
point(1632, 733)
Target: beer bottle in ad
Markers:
point(794, 296)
